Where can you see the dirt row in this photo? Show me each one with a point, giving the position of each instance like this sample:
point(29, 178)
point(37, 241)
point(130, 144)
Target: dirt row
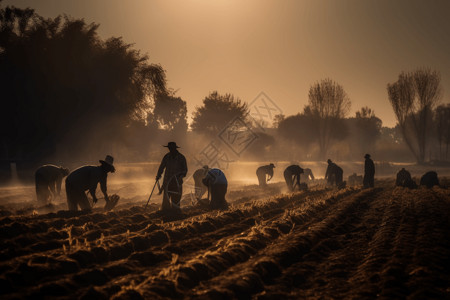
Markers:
point(321, 243)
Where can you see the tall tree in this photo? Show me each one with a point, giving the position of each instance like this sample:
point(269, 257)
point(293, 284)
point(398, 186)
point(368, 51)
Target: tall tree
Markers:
point(65, 89)
point(216, 112)
point(413, 97)
point(442, 125)
point(328, 105)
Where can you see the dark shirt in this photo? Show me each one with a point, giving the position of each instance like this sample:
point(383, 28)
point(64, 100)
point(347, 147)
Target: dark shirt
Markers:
point(268, 169)
point(294, 169)
point(333, 169)
point(174, 164)
point(402, 176)
point(52, 174)
point(86, 178)
point(369, 167)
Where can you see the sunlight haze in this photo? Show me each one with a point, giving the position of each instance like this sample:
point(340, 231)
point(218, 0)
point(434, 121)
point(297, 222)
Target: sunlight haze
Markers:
point(279, 47)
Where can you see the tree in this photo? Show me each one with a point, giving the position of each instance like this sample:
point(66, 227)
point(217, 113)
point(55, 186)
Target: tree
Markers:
point(217, 111)
point(442, 125)
point(328, 105)
point(365, 129)
point(65, 89)
point(413, 97)
point(170, 112)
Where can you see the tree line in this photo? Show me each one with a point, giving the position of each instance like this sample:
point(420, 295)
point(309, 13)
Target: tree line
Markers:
point(67, 92)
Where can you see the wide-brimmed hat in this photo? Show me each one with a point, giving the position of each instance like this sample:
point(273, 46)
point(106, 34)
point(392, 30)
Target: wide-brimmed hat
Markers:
point(171, 145)
point(367, 155)
point(109, 160)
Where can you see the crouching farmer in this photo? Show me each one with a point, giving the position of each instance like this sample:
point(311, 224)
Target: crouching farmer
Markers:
point(217, 183)
point(48, 182)
point(85, 179)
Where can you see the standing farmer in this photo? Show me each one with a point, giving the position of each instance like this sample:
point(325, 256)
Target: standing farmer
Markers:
point(262, 172)
point(87, 178)
point(174, 164)
point(48, 182)
point(369, 172)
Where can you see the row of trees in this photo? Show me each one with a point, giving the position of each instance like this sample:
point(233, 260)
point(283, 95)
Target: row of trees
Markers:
point(67, 91)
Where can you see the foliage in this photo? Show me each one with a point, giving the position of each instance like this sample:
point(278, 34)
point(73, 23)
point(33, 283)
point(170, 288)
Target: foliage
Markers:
point(413, 97)
point(365, 130)
point(442, 125)
point(170, 112)
point(328, 105)
point(63, 85)
point(217, 111)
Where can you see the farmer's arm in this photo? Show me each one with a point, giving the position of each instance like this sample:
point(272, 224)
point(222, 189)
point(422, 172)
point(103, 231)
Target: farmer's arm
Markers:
point(161, 168)
point(184, 168)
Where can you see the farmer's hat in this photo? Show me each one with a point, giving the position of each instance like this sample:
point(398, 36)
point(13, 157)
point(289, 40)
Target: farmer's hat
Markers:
point(171, 145)
point(367, 156)
point(108, 162)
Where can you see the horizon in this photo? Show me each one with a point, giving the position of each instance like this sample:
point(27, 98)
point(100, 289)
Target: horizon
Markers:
point(280, 49)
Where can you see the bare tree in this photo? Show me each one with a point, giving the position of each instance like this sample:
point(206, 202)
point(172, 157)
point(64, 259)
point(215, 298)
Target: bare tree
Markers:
point(413, 97)
point(442, 125)
point(329, 104)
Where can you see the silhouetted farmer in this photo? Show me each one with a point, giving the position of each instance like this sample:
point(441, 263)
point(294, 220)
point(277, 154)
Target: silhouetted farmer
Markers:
point(87, 178)
point(429, 179)
point(174, 164)
point(198, 176)
point(48, 179)
point(291, 175)
point(262, 172)
point(334, 174)
point(369, 172)
point(404, 179)
point(216, 181)
point(306, 176)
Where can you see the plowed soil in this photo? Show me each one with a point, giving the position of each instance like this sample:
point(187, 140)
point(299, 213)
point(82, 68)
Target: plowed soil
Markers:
point(386, 242)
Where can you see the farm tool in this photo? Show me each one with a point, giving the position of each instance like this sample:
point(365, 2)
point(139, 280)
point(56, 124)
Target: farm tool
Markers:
point(156, 183)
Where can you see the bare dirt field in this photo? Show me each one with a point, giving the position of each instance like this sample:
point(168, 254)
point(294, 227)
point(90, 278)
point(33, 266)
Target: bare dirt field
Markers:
point(386, 242)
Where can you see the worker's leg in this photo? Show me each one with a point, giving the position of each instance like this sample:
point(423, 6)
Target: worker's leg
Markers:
point(261, 179)
point(218, 192)
point(72, 195)
point(288, 179)
point(42, 192)
point(83, 201)
point(175, 191)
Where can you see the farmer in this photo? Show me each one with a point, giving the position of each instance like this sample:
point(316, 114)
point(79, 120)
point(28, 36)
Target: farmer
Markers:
point(200, 188)
point(174, 164)
point(291, 174)
point(216, 181)
point(402, 177)
point(369, 172)
point(262, 171)
point(306, 176)
point(86, 178)
point(429, 179)
point(48, 179)
point(334, 173)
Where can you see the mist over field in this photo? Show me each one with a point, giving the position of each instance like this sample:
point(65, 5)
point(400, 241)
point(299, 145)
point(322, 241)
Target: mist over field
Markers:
point(224, 149)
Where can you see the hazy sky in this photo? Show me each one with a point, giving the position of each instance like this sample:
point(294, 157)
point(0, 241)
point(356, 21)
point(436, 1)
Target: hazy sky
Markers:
point(279, 47)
